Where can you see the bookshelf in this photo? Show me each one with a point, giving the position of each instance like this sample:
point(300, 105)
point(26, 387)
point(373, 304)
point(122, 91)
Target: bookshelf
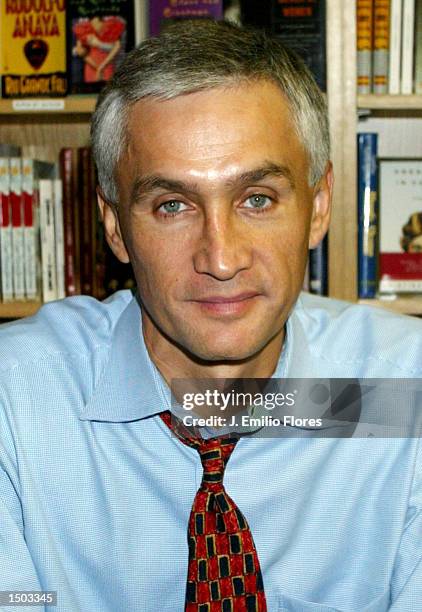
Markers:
point(67, 124)
point(344, 107)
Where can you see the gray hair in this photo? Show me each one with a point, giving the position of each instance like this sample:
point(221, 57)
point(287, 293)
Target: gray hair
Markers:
point(197, 55)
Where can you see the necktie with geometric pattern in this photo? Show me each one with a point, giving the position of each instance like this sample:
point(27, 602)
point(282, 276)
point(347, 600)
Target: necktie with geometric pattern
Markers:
point(223, 572)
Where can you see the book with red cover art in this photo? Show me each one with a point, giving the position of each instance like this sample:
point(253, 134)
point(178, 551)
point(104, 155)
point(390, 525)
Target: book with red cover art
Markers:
point(16, 206)
point(400, 214)
point(99, 33)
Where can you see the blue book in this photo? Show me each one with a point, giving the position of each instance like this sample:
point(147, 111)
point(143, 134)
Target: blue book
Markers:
point(367, 215)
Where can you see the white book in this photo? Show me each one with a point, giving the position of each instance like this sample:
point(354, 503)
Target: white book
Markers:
point(408, 37)
point(395, 47)
point(6, 271)
point(48, 248)
point(31, 241)
point(16, 205)
point(59, 237)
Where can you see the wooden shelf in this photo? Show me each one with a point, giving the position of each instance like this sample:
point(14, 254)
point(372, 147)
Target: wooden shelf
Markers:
point(402, 305)
point(387, 102)
point(79, 105)
point(16, 310)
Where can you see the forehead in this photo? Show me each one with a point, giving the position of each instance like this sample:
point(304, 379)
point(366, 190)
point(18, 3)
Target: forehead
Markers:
point(209, 129)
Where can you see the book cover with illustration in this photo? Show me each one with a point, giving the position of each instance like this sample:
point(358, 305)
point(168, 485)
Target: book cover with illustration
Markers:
point(99, 33)
point(400, 193)
point(163, 12)
point(33, 49)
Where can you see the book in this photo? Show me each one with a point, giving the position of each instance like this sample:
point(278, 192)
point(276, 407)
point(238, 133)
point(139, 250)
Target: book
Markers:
point(407, 58)
point(165, 12)
point(6, 272)
point(301, 26)
point(16, 207)
point(394, 65)
point(71, 271)
point(87, 203)
point(33, 49)
point(381, 46)
point(418, 47)
point(59, 236)
point(32, 255)
point(400, 260)
point(364, 44)
point(318, 268)
point(99, 34)
point(367, 215)
point(48, 251)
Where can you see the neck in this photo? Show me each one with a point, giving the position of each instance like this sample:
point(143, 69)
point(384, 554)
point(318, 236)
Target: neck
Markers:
point(173, 361)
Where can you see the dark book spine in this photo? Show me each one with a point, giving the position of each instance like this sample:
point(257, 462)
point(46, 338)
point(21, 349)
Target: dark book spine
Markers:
point(66, 169)
point(367, 215)
point(318, 268)
point(301, 27)
point(85, 207)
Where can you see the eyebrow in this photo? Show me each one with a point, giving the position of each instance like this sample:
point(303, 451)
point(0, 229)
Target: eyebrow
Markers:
point(144, 185)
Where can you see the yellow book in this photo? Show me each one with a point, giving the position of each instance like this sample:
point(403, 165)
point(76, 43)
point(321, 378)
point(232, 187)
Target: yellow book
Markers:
point(33, 48)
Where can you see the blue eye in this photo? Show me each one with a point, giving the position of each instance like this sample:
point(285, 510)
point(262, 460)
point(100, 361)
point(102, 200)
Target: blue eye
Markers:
point(172, 207)
point(258, 201)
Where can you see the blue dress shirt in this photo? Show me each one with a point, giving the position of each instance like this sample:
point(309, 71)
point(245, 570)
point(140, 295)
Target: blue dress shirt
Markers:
point(95, 492)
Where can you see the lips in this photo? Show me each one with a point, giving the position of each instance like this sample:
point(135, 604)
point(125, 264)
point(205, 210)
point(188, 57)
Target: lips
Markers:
point(227, 305)
point(220, 299)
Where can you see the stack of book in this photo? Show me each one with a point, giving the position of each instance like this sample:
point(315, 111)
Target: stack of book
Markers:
point(51, 240)
point(389, 46)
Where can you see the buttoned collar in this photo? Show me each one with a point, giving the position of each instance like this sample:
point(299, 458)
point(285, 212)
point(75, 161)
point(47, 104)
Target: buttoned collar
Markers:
point(130, 386)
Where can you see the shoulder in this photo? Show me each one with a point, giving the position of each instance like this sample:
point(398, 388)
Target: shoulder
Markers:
point(375, 341)
point(75, 325)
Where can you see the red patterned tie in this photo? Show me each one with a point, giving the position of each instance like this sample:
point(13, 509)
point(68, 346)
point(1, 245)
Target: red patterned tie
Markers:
point(223, 573)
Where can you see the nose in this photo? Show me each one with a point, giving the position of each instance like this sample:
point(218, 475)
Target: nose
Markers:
point(223, 248)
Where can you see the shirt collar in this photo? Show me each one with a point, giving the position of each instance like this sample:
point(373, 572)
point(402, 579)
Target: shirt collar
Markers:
point(130, 386)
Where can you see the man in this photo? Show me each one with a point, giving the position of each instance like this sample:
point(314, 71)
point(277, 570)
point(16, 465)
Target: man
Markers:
point(214, 180)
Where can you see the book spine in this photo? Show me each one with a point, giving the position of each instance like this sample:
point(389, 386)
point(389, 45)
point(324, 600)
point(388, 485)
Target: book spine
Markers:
point(318, 268)
point(16, 206)
point(381, 46)
point(364, 44)
point(407, 46)
point(85, 199)
point(31, 231)
point(5, 233)
point(59, 237)
point(367, 215)
point(396, 14)
point(141, 20)
point(418, 47)
point(48, 255)
point(66, 164)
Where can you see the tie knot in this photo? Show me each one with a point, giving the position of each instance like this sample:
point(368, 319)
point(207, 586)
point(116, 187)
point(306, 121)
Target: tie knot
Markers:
point(215, 454)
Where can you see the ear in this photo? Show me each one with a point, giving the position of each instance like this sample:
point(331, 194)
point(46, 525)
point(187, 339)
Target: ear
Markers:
point(321, 209)
point(113, 234)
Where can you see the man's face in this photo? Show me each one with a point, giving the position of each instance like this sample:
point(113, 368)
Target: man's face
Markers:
point(215, 213)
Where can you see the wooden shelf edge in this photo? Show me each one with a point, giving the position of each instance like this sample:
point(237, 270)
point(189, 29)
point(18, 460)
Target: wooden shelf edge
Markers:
point(388, 102)
point(17, 310)
point(82, 105)
point(402, 305)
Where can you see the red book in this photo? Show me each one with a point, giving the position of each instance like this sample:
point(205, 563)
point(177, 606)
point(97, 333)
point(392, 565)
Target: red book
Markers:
point(86, 189)
point(71, 246)
point(6, 273)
